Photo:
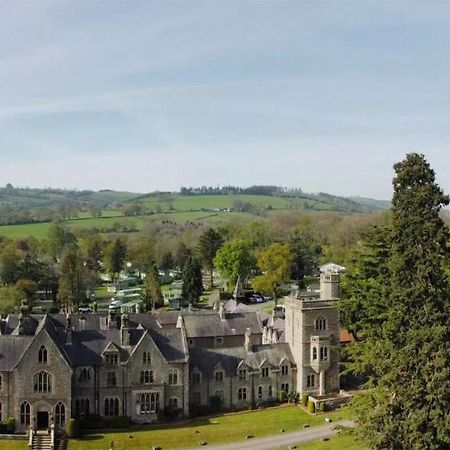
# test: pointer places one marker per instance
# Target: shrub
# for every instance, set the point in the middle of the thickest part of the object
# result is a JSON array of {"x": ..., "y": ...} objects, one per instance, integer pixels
[
  {"x": 305, "y": 399},
  {"x": 119, "y": 422},
  {"x": 283, "y": 396},
  {"x": 73, "y": 428},
  {"x": 225, "y": 295},
  {"x": 322, "y": 407},
  {"x": 10, "y": 425},
  {"x": 311, "y": 407},
  {"x": 93, "y": 423}
]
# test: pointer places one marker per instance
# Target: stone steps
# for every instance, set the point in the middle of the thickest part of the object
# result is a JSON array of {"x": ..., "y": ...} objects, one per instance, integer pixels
[{"x": 41, "y": 442}]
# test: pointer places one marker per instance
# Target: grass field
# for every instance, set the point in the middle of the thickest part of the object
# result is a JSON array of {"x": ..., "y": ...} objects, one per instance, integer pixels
[
  {"x": 40, "y": 230},
  {"x": 213, "y": 430},
  {"x": 13, "y": 445}
]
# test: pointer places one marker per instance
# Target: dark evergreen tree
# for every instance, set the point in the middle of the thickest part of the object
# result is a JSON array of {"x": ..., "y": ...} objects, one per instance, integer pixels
[
  {"x": 407, "y": 357},
  {"x": 209, "y": 242},
  {"x": 115, "y": 256},
  {"x": 192, "y": 280},
  {"x": 72, "y": 288},
  {"x": 153, "y": 295},
  {"x": 166, "y": 262}
]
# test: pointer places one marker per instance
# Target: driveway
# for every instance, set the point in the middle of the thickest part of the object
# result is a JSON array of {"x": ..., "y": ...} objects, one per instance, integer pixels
[{"x": 283, "y": 439}]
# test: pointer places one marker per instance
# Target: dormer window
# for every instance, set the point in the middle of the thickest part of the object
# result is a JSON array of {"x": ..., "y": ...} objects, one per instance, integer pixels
[
  {"x": 242, "y": 374},
  {"x": 321, "y": 323},
  {"x": 284, "y": 369},
  {"x": 219, "y": 376},
  {"x": 173, "y": 376},
  {"x": 111, "y": 359},
  {"x": 42, "y": 355},
  {"x": 265, "y": 372}
]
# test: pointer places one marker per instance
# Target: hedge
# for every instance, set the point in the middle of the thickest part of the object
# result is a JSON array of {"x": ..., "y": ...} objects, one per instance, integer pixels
[
  {"x": 311, "y": 407},
  {"x": 73, "y": 428},
  {"x": 305, "y": 399}
]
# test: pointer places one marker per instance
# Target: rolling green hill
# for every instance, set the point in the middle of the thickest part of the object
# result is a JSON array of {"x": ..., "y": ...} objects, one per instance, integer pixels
[{"x": 28, "y": 212}]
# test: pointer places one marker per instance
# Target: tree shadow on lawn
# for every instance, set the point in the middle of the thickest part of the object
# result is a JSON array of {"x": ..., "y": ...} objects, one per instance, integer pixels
[{"x": 190, "y": 423}]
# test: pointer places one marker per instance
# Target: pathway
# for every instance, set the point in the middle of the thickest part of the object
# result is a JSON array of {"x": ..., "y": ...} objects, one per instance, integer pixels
[{"x": 283, "y": 439}]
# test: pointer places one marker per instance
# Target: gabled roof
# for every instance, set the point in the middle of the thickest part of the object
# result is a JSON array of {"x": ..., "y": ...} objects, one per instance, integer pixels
[{"x": 206, "y": 360}]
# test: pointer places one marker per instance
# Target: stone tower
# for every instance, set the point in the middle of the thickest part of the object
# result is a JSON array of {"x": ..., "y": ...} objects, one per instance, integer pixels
[{"x": 312, "y": 331}]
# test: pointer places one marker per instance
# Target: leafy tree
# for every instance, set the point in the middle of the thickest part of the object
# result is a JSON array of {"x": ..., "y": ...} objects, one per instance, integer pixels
[
  {"x": 407, "y": 358},
  {"x": 28, "y": 289},
  {"x": 234, "y": 259},
  {"x": 10, "y": 298},
  {"x": 93, "y": 250},
  {"x": 115, "y": 256},
  {"x": 9, "y": 265},
  {"x": 209, "y": 242},
  {"x": 192, "y": 280},
  {"x": 142, "y": 253},
  {"x": 275, "y": 265},
  {"x": 153, "y": 295},
  {"x": 72, "y": 288},
  {"x": 58, "y": 238}
]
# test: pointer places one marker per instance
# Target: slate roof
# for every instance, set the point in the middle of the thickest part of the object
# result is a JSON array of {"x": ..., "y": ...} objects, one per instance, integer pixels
[
  {"x": 89, "y": 338},
  {"x": 208, "y": 360},
  {"x": 211, "y": 324}
]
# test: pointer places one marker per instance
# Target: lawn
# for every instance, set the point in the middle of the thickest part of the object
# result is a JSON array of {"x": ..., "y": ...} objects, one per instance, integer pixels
[
  {"x": 13, "y": 445},
  {"x": 213, "y": 430}
]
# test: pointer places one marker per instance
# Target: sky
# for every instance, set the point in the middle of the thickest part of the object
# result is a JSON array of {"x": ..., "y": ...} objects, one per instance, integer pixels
[{"x": 147, "y": 95}]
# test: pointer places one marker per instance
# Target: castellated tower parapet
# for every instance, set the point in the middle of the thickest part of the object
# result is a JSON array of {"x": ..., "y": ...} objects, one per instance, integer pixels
[{"x": 312, "y": 331}]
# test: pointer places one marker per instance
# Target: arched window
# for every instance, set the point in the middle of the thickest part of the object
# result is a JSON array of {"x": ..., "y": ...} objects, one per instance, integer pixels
[
  {"x": 111, "y": 406},
  {"x": 270, "y": 391},
  {"x": 260, "y": 391},
  {"x": 146, "y": 377},
  {"x": 42, "y": 355},
  {"x": 82, "y": 407},
  {"x": 60, "y": 415},
  {"x": 25, "y": 413},
  {"x": 321, "y": 323},
  {"x": 314, "y": 353},
  {"x": 42, "y": 382},
  {"x": 146, "y": 358}
]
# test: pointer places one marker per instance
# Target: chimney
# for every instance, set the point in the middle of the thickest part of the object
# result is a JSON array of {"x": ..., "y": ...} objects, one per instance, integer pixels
[
  {"x": 222, "y": 312},
  {"x": 69, "y": 329},
  {"x": 124, "y": 331},
  {"x": 23, "y": 316},
  {"x": 247, "y": 340}
]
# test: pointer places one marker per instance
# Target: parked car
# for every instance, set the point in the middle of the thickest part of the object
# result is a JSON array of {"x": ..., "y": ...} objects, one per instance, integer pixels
[
  {"x": 115, "y": 304},
  {"x": 85, "y": 309}
]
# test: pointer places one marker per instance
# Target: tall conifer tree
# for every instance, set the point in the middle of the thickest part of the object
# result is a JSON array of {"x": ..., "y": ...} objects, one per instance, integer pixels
[{"x": 407, "y": 356}]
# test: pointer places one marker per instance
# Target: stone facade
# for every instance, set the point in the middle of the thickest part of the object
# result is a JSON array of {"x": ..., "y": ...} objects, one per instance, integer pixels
[
  {"x": 53, "y": 367},
  {"x": 312, "y": 332}
]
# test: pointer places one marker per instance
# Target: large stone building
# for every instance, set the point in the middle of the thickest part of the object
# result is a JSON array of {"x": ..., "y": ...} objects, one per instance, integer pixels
[{"x": 53, "y": 367}]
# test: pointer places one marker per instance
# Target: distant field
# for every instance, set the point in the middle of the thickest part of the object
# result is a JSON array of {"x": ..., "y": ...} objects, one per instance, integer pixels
[
  {"x": 196, "y": 202},
  {"x": 40, "y": 230}
]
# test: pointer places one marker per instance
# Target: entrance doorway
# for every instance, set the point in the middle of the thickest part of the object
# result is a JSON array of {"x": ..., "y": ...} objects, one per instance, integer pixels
[{"x": 42, "y": 419}]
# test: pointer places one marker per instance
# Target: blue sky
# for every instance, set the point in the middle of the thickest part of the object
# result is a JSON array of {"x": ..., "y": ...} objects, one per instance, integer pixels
[{"x": 146, "y": 95}]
